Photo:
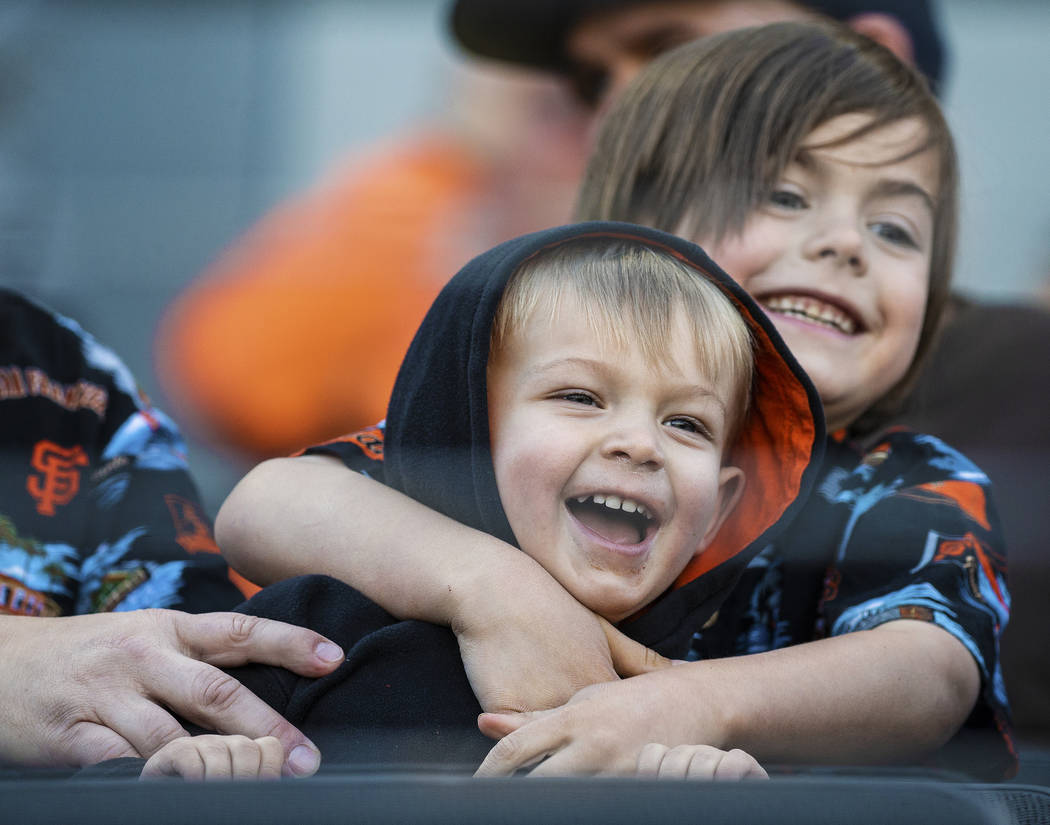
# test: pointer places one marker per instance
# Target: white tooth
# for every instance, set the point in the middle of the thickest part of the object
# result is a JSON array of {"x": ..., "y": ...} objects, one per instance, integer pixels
[
  {"x": 612, "y": 502},
  {"x": 582, "y": 499},
  {"x": 644, "y": 511},
  {"x": 599, "y": 499},
  {"x": 628, "y": 506}
]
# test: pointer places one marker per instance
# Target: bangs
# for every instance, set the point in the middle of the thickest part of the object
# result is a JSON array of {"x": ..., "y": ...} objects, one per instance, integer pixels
[{"x": 632, "y": 295}]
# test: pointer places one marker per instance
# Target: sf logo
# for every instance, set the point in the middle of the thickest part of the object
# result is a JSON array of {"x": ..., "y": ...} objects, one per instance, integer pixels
[{"x": 57, "y": 478}]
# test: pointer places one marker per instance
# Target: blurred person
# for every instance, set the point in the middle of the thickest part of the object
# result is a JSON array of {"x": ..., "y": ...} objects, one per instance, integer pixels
[
  {"x": 295, "y": 334},
  {"x": 100, "y": 519}
]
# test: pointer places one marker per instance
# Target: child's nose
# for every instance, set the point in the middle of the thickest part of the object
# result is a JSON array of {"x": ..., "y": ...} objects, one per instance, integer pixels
[
  {"x": 636, "y": 443},
  {"x": 839, "y": 240}
]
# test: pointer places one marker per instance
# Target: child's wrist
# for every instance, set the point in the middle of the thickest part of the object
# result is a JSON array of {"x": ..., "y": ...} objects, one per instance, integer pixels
[{"x": 488, "y": 588}]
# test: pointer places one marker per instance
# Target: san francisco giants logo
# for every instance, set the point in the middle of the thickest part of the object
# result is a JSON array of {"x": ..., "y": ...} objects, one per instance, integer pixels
[
  {"x": 191, "y": 531},
  {"x": 57, "y": 479}
]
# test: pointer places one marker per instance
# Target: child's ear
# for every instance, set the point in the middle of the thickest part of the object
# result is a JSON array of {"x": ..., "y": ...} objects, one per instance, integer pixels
[
  {"x": 888, "y": 31},
  {"x": 731, "y": 481}
]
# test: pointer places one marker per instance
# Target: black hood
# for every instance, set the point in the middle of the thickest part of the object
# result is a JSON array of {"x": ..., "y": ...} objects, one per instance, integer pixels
[{"x": 437, "y": 436}]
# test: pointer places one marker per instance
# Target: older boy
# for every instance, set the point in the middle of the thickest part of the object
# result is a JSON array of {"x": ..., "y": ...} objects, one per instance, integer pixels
[{"x": 599, "y": 45}]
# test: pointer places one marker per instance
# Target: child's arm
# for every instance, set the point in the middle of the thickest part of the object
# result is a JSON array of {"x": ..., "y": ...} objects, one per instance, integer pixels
[
  {"x": 697, "y": 762},
  {"x": 311, "y": 514},
  {"x": 213, "y": 756},
  {"x": 893, "y": 693}
]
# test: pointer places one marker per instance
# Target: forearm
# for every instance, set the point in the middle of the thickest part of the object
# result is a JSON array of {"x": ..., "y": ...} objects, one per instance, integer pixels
[
  {"x": 292, "y": 516},
  {"x": 896, "y": 692},
  {"x": 886, "y": 695}
]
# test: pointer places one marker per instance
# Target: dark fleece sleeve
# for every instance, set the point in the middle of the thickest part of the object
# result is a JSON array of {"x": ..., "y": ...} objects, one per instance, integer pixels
[{"x": 401, "y": 696}]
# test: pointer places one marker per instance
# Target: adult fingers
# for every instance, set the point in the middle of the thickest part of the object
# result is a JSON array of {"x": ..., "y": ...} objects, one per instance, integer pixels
[
  {"x": 143, "y": 725},
  {"x": 631, "y": 658},
  {"x": 86, "y": 743},
  {"x": 231, "y": 639}
]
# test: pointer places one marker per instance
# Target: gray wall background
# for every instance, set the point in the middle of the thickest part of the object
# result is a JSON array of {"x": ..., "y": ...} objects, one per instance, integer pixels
[{"x": 140, "y": 138}]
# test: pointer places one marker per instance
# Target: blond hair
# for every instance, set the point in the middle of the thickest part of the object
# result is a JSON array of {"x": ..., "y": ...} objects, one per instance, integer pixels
[
  {"x": 631, "y": 294},
  {"x": 701, "y": 137}
]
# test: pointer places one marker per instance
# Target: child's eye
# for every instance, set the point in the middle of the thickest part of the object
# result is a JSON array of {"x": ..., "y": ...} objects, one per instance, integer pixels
[
  {"x": 689, "y": 425},
  {"x": 787, "y": 199},
  {"x": 895, "y": 234},
  {"x": 578, "y": 397}
]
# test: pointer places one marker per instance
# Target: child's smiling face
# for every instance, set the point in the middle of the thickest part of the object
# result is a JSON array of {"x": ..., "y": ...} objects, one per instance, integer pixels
[
  {"x": 609, "y": 466},
  {"x": 840, "y": 258}
]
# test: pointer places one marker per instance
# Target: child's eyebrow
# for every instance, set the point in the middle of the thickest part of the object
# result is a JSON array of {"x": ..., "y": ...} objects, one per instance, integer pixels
[
  {"x": 687, "y": 390},
  {"x": 886, "y": 188},
  {"x": 904, "y": 188},
  {"x": 569, "y": 361}
]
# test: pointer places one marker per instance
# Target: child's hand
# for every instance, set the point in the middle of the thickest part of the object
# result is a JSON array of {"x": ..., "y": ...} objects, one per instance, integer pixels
[
  {"x": 520, "y": 659},
  {"x": 697, "y": 762},
  {"x": 602, "y": 730},
  {"x": 214, "y": 756}
]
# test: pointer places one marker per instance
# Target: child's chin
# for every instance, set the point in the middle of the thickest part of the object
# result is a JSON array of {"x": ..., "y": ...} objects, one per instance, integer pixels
[{"x": 614, "y": 604}]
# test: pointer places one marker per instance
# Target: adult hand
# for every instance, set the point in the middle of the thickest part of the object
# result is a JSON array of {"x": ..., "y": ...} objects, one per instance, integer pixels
[
  {"x": 81, "y": 689},
  {"x": 602, "y": 730},
  {"x": 518, "y": 658}
]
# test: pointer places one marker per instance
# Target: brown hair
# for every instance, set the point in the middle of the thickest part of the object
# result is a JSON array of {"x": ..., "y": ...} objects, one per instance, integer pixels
[
  {"x": 631, "y": 292},
  {"x": 714, "y": 123}
]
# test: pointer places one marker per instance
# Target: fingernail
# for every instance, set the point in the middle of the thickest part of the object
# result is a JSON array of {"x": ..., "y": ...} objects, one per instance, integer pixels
[
  {"x": 304, "y": 760},
  {"x": 328, "y": 652}
]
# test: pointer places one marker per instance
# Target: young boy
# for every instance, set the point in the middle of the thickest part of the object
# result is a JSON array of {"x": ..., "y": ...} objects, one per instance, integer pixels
[{"x": 595, "y": 395}]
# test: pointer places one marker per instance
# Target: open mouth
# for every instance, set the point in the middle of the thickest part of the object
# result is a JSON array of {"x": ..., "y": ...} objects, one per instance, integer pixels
[
  {"x": 616, "y": 519},
  {"x": 815, "y": 311}
]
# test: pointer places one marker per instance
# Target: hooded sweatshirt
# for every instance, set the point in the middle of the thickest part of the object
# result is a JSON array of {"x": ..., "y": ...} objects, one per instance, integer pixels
[{"x": 402, "y": 694}]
